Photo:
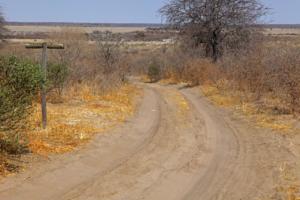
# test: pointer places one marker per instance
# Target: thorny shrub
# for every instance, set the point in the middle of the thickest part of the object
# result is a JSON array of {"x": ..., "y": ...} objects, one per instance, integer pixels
[
  {"x": 79, "y": 63},
  {"x": 268, "y": 70},
  {"x": 19, "y": 85},
  {"x": 154, "y": 72},
  {"x": 57, "y": 75}
]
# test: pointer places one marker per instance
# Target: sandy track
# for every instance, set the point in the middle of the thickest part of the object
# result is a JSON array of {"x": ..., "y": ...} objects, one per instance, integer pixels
[{"x": 166, "y": 152}]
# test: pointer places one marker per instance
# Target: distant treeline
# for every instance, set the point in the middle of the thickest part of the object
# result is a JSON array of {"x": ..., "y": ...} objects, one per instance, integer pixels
[
  {"x": 281, "y": 26},
  {"x": 85, "y": 24},
  {"x": 149, "y": 25}
]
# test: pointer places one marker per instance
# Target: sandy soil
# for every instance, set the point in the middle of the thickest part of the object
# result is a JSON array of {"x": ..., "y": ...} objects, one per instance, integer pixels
[{"x": 177, "y": 147}]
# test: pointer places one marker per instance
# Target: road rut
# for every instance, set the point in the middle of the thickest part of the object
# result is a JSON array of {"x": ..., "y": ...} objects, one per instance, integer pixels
[{"x": 177, "y": 147}]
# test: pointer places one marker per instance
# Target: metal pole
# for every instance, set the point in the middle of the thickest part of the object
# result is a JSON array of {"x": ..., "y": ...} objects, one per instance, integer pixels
[{"x": 43, "y": 91}]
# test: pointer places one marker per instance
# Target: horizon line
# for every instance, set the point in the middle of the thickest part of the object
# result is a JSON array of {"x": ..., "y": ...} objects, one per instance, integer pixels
[{"x": 113, "y": 23}]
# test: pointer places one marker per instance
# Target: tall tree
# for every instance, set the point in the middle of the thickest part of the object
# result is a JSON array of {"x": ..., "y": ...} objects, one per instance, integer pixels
[{"x": 214, "y": 22}]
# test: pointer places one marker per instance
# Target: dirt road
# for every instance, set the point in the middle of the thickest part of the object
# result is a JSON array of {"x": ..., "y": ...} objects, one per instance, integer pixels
[{"x": 177, "y": 147}]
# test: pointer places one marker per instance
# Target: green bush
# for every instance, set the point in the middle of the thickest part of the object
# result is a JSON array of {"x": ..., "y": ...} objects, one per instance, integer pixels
[
  {"x": 19, "y": 84},
  {"x": 154, "y": 72},
  {"x": 56, "y": 76}
]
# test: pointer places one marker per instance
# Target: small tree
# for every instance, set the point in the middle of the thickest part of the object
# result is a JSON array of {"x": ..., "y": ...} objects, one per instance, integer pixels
[
  {"x": 110, "y": 54},
  {"x": 109, "y": 51},
  {"x": 154, "y": 72},
  {"x": 56, "y": 77},
  {"x": 215, "y": 23},
  {"x": 73, "y": 54}
]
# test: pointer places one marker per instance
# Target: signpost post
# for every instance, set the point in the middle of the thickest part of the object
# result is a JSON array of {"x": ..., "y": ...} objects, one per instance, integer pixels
[{"x": 44, "y": 46}]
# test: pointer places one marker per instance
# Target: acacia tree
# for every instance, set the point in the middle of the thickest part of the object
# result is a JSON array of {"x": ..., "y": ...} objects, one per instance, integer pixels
[
  {"x": 215, "y": 23},
  {"x": 109, "y": 51},
  {"x": 111, "y": 55}
]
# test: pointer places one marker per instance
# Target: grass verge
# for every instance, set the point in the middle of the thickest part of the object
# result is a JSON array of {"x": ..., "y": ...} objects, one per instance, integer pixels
[
  {"x": 80, "y": 115},
  {"x": 263, "y": 114}
]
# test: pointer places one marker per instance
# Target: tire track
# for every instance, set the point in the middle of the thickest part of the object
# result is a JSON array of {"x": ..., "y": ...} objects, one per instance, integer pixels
[
  {"x": 146, "y": 174},
  {"x": 103, "y": 154},
  {"x": 234, "y": 173},
  {"x": 165, "y": 153}
]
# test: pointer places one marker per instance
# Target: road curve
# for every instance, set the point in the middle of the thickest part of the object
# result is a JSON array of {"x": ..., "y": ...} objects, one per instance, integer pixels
[{"x": 178, "y": 147}]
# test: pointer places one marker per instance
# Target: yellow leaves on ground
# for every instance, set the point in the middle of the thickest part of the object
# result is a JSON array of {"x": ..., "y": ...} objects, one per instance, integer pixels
[{"x": 83, "y": 114}]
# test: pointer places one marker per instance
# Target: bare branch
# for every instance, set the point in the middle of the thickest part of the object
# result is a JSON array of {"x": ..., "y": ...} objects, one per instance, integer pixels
[{"x": 212, "y": 22}]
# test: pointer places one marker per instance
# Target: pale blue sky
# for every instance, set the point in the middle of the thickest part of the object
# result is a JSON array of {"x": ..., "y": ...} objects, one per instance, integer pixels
[{"x": 118, "y": 11}]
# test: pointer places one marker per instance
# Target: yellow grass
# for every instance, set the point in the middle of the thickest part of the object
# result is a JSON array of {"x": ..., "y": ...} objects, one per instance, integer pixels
[
  {"x": 182, "y": 103},
  {"x": 262, "y": 119},
  {"x": 290, "y": 192},
  {"x": 172, "y": 79},
  {"x": 145, "y": 79},
  {"x": 178, "y": 100},
  {"x": 83, "y": 114},
  {"x": 276, "y": 122},
  {"x": 217, "y": 97}
]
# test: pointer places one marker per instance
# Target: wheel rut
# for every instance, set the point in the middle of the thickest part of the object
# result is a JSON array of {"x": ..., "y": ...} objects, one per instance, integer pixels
[{"x": 177, "y": 147}]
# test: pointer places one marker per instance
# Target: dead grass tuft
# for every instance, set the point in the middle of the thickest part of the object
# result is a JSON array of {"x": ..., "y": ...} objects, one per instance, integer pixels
[
  {"x": 221, "y": 97},
  {"x": 7, "y": 167},
  {"x": 83, "y": 114}
]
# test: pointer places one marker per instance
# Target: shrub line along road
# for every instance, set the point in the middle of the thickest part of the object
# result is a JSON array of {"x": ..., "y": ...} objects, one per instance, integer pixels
[{"x": 165, "y": 152}]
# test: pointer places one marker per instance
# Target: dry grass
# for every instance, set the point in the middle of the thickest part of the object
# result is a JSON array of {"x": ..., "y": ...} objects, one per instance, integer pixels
[
  {"x": 282, "y": 31},
  {"x": 83, "y": 114},
  {"x": 145, "y": 79},
  {"x": 80, "y": 114},
  {"x": 289, "y": 186},
  {"x": 262, "y": 117},
  {"x": 224, "y": 98},
  {"x": 7, "y": 168},
  {"x": 172, "y": 79},
  {"x": 182, "y": 104},
  {"x": 288, "y": 193},
  {"x": 219, "y": 97}
]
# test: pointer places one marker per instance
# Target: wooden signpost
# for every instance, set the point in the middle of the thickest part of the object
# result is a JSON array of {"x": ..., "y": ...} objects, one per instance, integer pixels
[{"x": 44, "y": 46}]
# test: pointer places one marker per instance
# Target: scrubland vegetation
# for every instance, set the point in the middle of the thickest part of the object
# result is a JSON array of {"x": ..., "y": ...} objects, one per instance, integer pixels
[
  {"x": 260, "y": 83},
  {"x": 263, "y": 80},
  {"x": 232, "y": 61},
  {"x": 85, "y": 83},
  {"x": 220, "y": 48}
]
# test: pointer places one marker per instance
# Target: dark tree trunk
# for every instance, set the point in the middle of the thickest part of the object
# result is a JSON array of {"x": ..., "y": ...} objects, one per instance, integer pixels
[
  {"x": 215, "y": 46},
  {"x": 212, "y": 49}
]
